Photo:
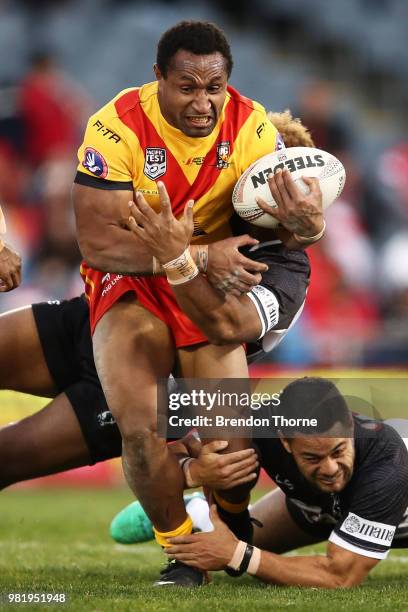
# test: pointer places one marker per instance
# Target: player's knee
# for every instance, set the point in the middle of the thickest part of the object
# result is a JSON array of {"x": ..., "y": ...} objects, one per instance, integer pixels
[
  {"x": 138, "y": 435},
  {"x": 223, "y": 332},
  {"x": 140, "y": 443}
]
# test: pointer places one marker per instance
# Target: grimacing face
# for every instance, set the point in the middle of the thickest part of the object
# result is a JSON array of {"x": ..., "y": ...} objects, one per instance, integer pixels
[
  {"x": 327, "y": 463},
  {"x": 192, "y": 94}
]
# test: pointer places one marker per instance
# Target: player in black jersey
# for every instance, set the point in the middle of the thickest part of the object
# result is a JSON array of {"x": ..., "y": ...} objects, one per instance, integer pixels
[{"x": 344, "y": 480}]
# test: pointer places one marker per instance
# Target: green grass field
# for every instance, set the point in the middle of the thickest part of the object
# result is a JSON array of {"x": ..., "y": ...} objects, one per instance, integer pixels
[{"x": 57, "y": 541}]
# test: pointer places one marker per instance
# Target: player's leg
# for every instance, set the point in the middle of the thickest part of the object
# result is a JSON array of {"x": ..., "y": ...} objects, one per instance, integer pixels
[
  {"x": 132, "y": 349},
  {"x": 44, "y": 443},
  {"x": 279, "y": 532},
  {"x": 22, "y": 363},
  {"x": 223, "y": 362},
  {"x": 73, "y": 430}
]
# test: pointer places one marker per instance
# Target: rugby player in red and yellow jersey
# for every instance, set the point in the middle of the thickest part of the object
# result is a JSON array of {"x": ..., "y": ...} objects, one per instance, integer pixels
[{"x": 197, "y": 136}]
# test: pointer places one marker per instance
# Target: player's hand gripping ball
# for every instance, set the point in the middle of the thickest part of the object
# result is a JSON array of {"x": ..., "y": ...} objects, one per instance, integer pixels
[{"x": 300, "y": 161}]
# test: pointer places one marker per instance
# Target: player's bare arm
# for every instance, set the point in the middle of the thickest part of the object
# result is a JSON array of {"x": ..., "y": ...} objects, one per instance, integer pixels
[
  {"x": 338, "y": 568},
  {"x": 103, "y": 236}
]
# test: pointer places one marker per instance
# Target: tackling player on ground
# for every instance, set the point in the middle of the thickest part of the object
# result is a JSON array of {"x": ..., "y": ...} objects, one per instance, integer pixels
[{"x": 345, "y": 481}]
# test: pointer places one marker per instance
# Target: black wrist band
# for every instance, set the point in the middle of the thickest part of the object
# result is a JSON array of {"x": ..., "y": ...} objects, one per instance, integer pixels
[
  {"x": 244, "y": 563},
  {"x": 246, "y": 559},
  {"x": 183, "y": 460}
]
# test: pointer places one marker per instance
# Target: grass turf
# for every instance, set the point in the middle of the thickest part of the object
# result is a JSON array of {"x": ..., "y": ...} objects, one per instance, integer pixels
[{"x": 57, "y": 541}]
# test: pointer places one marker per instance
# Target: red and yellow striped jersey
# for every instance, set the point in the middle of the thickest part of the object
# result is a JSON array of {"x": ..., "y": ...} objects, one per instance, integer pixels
[{"x": 129, "y": 145}]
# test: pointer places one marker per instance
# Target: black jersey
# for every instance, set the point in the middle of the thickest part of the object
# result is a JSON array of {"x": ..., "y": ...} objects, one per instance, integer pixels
[
  {"x": 365, "y": 515},
  {"x": 280, "y": 297}
]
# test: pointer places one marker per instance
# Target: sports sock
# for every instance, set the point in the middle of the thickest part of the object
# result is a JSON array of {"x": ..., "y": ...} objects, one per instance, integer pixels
[
  {"x": 199, "y": 511},
  {"x": 232, "y": 507},
  {"x": 236, "y": 517},
  {"x": 184, "y": 529}
]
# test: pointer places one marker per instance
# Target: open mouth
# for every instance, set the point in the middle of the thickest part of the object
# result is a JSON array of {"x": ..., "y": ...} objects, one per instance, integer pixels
[
  {"x": 331, "y": 481},
  {"x": 200, "y": 121}
]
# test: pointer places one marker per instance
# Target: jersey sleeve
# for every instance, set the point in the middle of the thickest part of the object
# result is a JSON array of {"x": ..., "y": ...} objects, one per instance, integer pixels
[
  {"x": 378, "y": 505},
  {"x": 261, "y": 138},
  {"x": 105, "y": 157}
]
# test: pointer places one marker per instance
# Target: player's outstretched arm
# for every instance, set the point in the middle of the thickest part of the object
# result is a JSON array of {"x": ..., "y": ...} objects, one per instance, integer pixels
[{"x": 215, "y": 550}]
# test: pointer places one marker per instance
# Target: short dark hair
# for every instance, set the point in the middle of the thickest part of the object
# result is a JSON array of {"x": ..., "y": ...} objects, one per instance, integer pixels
[
  {"x": 198, "y": 37},
  {"x": 314, "y": 398}
]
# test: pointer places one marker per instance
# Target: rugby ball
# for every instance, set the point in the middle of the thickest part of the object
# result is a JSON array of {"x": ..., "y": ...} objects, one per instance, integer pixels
[{"x": 301, "y": 161}]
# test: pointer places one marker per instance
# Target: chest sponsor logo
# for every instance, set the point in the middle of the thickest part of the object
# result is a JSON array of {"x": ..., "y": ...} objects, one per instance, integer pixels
[
  {"x": 155, "y": 162},
  {"x": 194, "y": 161},
  {"x": 95, "y": 162},
  {"x": 369, "y": 531},
  {"x": 223, "y": 154}
]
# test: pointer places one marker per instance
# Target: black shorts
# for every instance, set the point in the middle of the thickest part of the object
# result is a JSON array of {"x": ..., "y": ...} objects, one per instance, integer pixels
[{"x": 65, "y": 336}]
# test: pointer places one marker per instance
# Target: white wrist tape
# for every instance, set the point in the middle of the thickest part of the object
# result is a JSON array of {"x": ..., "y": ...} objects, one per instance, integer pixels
[
  {"x": 185, "y": 466},
  {"x": 157, "y": 267},
  {"x": 238, "y": 555},
  {"x": 3, "y": 228},
  {"x": 311, "y": 239},
  {"x": 181, "y": 270},
  {"x": 254, "y": 562}
]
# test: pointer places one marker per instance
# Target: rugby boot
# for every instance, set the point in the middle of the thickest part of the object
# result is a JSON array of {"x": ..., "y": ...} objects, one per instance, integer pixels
[{"x": 177, "y": 574}]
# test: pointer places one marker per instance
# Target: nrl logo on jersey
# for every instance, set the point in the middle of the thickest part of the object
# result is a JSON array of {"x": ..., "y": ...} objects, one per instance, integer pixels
[{"x": 155, "y": 162}]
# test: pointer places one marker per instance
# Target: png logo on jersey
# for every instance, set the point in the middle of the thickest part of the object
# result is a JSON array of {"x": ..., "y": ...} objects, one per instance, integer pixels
[
  {"x": 155, "y": 162},
  {"x": 95, "y": 162},
  {"x": 223, "y": 154}
]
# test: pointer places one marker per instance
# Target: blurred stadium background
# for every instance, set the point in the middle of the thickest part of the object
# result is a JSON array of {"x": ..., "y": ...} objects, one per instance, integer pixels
[{"x": 340, "y": 66}]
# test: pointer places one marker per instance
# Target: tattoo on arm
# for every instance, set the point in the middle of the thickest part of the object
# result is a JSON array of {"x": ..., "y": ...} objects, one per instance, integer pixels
[{"x": 202, "y": 258}]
